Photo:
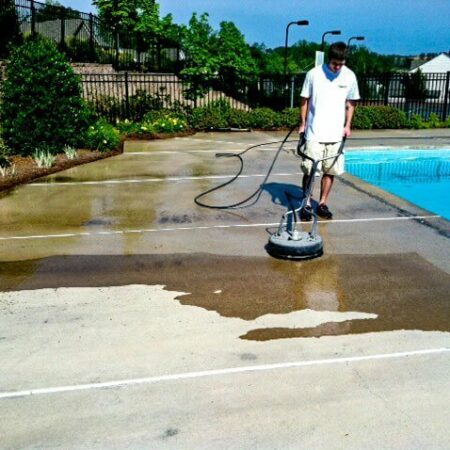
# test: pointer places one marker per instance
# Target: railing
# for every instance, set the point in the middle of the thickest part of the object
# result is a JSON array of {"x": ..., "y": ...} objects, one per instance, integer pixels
[
  {"x": 84, "y": 39},
  {"x": 114, "y": 94},
  {"x": 389, "y": 90},
  {"x": 129, "y": 95}
]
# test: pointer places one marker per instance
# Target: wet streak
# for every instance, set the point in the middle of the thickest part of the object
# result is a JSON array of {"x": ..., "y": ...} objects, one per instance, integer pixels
[{"x": 404, "y": 291}]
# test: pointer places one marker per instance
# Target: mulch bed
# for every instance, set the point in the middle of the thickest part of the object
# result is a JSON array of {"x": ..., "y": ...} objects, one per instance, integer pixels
[{"x": 27, "y": 171}]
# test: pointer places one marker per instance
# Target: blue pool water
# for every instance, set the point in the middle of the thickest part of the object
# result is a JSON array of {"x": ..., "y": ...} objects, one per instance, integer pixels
[{"x": 419, "y": 176}]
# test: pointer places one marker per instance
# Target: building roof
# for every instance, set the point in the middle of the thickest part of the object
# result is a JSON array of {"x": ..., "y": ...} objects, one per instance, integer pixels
[{"x": 439, "y": 64}]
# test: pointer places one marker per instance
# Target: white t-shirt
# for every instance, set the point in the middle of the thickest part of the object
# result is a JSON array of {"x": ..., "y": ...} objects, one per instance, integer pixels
[{"x": 327, "y": 93}]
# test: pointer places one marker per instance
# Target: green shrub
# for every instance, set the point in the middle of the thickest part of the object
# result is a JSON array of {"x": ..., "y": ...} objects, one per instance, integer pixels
[
  {"x": 378, "y": 117},
  {"x": 102, "y": 136},
  {"x": 385, "y": 117},
  {"x": 41, "y": 103},
  {"x": 126, "y": 127},
  {"x": 215, "y": 115},
  {"x": 434, "y": 121},
  {"x": 170, "y": 125},
  {"x": 238, "y": 118},
  {"x": 417, "y": 122},
  {"x": 362, "y": 118},
  {"x": 263, "y": 118},
  {"x": 290, "y": 117}
]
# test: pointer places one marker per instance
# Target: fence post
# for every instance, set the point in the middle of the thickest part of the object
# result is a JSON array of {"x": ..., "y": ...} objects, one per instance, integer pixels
[
  {"x": 127, "y": 98},
  {"x": 292, "y": 91},
  {"x": 386, "y": 92},
  {"x": 33, "y": 18},
  {"x": 446, "y": 97},
  {"x": 91, "y": 37}
]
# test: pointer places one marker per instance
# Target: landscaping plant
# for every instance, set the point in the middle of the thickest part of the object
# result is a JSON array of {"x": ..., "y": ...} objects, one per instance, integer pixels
[
  {"x": 43, "y": 158},
  {"x": 41, "y": 105},
  {"x": 102, "y": 136}
]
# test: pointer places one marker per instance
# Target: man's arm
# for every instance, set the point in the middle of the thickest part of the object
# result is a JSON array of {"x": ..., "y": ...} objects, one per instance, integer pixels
[
  {"x": 350, "y": 109},
  {"x": 304, "y": 103}
]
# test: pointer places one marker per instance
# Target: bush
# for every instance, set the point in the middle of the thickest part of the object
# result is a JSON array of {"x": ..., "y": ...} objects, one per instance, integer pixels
[
  {"x": 215, "y": 115},
  {"x": 434, "y": 121},
  {"x": 41, "y": 104},
  {"x": 378, "y": 117},
  {"x": 362, "y": 118},
  {"x": 385, "y": 117},
  {"x": 290, "y": 117},
  {"x": 127, "y": 127},
  {"x": 264, "y": 118},
  {"x": 238, "y": 118},
  {"x": 102, "y": 136}
]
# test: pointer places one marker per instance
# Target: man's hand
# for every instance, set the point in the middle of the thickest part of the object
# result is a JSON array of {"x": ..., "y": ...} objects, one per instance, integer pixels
[
  {"x": 301, "y": 129},
  {"x": 347, "y": 132}
]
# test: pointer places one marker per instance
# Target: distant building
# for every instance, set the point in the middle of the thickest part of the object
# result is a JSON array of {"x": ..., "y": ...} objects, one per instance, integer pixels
[
  {"x": 439, "y": 64},
  {"x": 435, "y": 83}
]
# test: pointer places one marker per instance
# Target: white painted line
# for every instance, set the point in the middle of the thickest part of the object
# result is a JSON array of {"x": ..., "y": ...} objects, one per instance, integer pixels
[
  {"x": 219, "y": 372},
  {"x": 209, "y": 227},
  {"x": 156, "y": 180}
]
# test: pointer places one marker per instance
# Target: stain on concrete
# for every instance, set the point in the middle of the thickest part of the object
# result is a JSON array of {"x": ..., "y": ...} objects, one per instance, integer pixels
[
  {"x": 170, "y": 432},
  {"x": 404, "y": 290},
  {"x": 248, "y": 357}
]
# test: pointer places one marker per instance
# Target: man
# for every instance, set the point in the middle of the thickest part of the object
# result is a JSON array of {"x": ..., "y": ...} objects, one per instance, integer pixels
[{"x": 327, "y": 104}]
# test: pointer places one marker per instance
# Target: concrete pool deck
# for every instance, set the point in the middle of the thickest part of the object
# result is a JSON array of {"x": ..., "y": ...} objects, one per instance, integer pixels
[{"x": 131, "y": 318}]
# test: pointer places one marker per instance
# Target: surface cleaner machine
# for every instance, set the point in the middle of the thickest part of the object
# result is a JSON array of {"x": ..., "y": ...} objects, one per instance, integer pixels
[{"x": 292, "y": 240}]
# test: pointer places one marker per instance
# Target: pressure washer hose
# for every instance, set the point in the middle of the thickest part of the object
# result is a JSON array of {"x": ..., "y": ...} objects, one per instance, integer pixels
[{"x": 255, "y": 194}]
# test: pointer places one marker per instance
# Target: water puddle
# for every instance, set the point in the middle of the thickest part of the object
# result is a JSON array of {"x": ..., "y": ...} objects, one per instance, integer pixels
[{"x": 389, "y": 292}]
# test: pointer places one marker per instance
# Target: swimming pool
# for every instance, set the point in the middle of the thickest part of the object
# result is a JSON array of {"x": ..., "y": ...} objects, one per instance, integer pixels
[{"x": 419, "y": 176}]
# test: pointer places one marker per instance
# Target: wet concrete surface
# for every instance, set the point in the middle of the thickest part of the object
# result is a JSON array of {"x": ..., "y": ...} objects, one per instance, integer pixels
[
  {"x": 116, "y": 298},
  {"x": 404, "y": 291}
]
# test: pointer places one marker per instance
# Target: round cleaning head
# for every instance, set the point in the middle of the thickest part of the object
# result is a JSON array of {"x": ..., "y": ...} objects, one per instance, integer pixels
[{"x": 297, "y": 245}]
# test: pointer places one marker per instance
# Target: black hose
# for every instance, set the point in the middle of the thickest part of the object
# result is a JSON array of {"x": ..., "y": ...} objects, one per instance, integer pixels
[{"x": 258, "y": 192}]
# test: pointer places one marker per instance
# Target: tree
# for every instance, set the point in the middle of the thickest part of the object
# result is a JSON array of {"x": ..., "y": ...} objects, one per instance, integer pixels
[
  {"x": 236, "y": 65},
  {"x": 202, "y": 63},
  {"x": 53, "y": 10},
  {"x": 41, "y": 104},
  {"x": 415, "y": 86},
  {"x": 10, "y": 35}
]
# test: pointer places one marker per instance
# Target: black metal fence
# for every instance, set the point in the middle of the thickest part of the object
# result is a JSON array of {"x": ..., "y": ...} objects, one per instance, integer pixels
[
  {"x": 121, "y": 95},
  {"x": 84, "y": 38},
  {"x": 127, "y": 95}
]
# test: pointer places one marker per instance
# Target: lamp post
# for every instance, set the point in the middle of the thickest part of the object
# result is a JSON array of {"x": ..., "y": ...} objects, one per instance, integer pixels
[
  {"x": 355, "y": 38},
  {"x": 334, "y": 32},
  {"x": 299, "y": 23}
]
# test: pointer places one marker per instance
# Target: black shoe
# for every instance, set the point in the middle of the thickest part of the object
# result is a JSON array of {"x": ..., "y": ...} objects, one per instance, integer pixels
[
  {"x": 306, "y": 214},
  {"x": 324, "y": 212}
]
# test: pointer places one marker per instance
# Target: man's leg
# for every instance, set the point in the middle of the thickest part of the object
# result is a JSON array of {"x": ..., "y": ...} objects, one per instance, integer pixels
[{"x": 326, "y": 185}]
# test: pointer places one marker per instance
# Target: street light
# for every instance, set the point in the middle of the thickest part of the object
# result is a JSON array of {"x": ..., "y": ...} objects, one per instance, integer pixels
[
  {"x": 355, "y": 38},
  {"x": 334, "y": 32},
  {"x": 299, "y": 23}
]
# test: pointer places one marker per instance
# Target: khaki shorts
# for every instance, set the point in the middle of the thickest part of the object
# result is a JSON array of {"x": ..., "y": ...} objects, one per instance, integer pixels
[{"x": 317, "y": 150}]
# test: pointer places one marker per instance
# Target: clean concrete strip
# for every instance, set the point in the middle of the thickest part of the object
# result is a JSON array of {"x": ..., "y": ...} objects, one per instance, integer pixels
[
  {"x": 153, "y": 180},
  {"x": 219, "y": 372},
  {"x": 210, "y": 227}
]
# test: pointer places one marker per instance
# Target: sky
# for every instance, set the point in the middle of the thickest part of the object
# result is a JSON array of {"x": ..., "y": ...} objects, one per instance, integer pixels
[{"x": 403, "y": 27}]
